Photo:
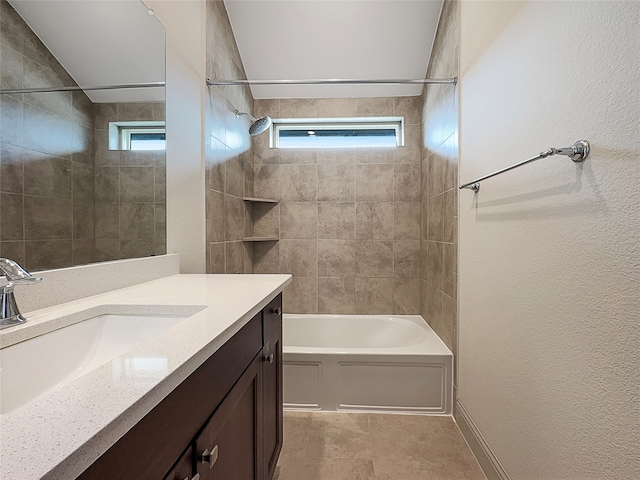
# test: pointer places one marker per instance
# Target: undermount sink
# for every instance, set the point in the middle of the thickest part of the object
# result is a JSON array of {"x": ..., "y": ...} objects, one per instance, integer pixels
[{"x": 32, "y": 367}]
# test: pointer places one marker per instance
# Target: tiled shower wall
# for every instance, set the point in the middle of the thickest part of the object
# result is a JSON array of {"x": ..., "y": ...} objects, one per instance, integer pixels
[
  {"x": 348, "y": 220},
  {"x": 130, "y": 188},
  {"x": 229, "y": 161},
  {"x": 439, "y": 192},
  {"x": 46, "y": 161}
]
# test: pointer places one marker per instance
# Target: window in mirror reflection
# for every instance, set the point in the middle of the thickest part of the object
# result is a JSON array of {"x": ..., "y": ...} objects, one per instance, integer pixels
[{"x": 137, "y": 135}]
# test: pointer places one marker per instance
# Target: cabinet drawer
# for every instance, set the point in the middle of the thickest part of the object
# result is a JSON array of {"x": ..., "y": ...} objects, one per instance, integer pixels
[{"x": 272, "y": 317}]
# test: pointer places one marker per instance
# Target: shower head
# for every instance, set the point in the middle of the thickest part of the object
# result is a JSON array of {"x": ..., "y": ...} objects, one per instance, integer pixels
[{"x": 258, "y": 126}]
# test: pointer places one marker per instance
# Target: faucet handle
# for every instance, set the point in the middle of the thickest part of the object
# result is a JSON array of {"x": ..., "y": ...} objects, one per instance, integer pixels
[{"x": 26, "y": 281}]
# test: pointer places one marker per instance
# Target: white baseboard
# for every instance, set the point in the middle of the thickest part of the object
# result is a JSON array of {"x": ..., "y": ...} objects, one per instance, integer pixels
[{"x": 488, "y": 461}]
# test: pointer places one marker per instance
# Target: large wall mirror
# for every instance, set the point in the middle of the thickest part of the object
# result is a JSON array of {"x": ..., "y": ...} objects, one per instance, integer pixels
[{"x": 82, "y": 173}]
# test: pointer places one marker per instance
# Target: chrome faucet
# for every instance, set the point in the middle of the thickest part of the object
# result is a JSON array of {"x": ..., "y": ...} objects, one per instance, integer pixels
[{"x": 16, "y": 275}]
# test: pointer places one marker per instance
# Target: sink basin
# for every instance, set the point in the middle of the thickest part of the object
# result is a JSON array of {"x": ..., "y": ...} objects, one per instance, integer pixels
[{"x": 38, "y": 365}]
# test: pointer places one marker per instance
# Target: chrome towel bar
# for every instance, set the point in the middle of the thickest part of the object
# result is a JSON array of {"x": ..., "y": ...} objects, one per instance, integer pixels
[{"x": 577, "y": 152}]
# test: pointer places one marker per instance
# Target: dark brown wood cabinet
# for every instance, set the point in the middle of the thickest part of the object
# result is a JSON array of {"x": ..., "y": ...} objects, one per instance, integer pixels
[
  {"x": 224, "y": 421},
  {"x": 272, "y": 401}
]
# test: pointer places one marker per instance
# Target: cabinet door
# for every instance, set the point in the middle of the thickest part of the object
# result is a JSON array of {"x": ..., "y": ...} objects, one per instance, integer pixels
[
  {"x": 183, "y": 469},
  {"x": 272, "y": 401},
  {"x": 229, "y": 446}
]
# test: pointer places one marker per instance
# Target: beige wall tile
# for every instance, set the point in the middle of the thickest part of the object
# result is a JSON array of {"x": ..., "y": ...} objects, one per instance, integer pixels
[
  {"x": 411, "y": 151},
  {"x": 448, "y": 321},
  {"x": 299, "y": 220},
  {"x": 265, "y": 219},
  {"x": 47, "y": 219},
  {"x": 234, "y": 183},
  {"x": 374, "y": 221},
  {"x": 374, "y": 183},
  {"x": 336, "y": 295},
  {"x": 216, "y": 263},
  {"x": 450, "y": 212},
  {"x": 336, "y": 107},
  {"x": 301, "y": 296},
  {"x": 266, "y": 257},
  {"x": 216, "y": 216},
  {"x": 299, "y": 183},
  {"x": 336, "y": 258},
  {"x": 374, "y": 258},
  {"x": 406, "y": 220},
  {"x": 406, "y": 182},
  {"x": 374, "y": 296},
  {"x": 332, "y": 156},
  {"x": 136, "y": 221},
  {"x": 136, "y": 247},
  {"x": 107, "y": 221},
  {"x": 409, "y": 108},
  {"x": 299, "y": 257},
  {"x": 434, "y": 264},
  {"x": 435, "y": 218},
  {"x": 336, "y": 220},
  {"x": 434, "y": 308},
  {"x": 12, "y": 217},
  {"x": 267, "y": 181},
  {"x": 137, "y": 184},
  {"x": 234, "y": 257},
  {"x": 406, "y": 296},
  {"x": 47, "y": 254},
  {"x": 374, "y": 155},
  {"x": 406, "y": 258},
  {"x": 234, "y": 215},
  {"x": 449, "y": 267},
  {"x": 292, "y": 156},
  {"x": 374, "y": 107},
  {"x": 299, "y": 107},
  {"x": 336, "y": 183}
]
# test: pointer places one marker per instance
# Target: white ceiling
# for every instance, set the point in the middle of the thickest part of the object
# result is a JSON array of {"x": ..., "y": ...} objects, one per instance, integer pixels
[
  {"x": 102, "y": 42},
  {"x": 324, "y": 39}
]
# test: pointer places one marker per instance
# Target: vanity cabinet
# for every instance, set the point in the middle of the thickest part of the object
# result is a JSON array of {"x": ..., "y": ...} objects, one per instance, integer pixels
[{"x": 224, "y": 421}]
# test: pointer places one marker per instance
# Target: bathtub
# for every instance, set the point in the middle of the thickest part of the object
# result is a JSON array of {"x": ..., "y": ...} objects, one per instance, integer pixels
[{"x": 373, "y": 363}]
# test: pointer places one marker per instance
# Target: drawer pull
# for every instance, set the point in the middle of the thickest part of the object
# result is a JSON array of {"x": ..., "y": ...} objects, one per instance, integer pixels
[
  {"x": 277, "y": 311},
  {"x": 269, "y": 358},
  {"x": 210, "y": 457}
]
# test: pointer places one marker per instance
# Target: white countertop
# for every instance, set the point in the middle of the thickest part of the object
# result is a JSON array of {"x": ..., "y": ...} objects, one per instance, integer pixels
[{"x": 61, "y": 433}]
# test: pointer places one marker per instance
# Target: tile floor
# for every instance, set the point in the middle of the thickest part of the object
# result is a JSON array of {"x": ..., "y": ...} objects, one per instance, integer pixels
[{"x": 361, "y": 446}]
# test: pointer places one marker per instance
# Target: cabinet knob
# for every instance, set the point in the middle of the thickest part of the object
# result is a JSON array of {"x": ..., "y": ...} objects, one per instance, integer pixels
[
  {"x": 210, "y": 456},
  {"x": 269, "y": 358},
  {"x": 277, "y": 311}
]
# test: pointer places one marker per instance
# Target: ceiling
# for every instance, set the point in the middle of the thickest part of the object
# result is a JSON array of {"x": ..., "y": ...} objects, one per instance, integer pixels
[
  {"x": 102, "y": 42},
  {"x": 325, "y": 39}
]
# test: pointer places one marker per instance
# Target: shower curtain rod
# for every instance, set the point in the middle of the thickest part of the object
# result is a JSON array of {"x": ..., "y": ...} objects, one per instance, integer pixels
[
  {"x": 338, "y": 81},
  {"x": 78, "y": 88}
]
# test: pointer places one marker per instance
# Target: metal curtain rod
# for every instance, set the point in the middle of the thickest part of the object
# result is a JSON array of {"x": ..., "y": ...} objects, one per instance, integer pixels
[
  {"x": 337, "y": 81},
  {"x": 77, "y": 88},
  {"x": 577, "y": 152}
]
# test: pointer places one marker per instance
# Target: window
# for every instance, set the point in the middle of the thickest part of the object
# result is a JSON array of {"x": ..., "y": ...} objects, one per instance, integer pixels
[
  {"x": 137, "y": 136},
  {"x": 376, "y": 132}
]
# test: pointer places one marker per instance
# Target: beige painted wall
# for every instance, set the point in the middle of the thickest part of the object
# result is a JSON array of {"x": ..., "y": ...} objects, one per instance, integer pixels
[{"x": 549, "y": 253}]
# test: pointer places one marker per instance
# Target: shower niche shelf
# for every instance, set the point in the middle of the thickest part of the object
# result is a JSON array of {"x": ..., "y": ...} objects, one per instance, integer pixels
[
  {"x": 260, "y": 239},
  {"x": 259, "y": 207},
  {"x": 260, "y": 200}
]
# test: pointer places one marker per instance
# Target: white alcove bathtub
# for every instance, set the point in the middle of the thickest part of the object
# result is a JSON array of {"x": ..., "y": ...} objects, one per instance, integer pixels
[{"x": 373, "y": 363}]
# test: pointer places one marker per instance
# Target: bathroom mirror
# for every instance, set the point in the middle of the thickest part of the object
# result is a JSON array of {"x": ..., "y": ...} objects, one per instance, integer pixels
[{"x": 70, "y": 193}]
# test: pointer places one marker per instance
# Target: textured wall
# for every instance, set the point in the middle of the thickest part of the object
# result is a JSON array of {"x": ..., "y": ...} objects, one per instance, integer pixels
[
  {"x": 439, "y": 192},
  {"x": 46, "y": 161},
  {"x": 549, "y": 253},
  {"x": 348, "y": 220},
  {"x": 229, "y": 162},
  {"x": 130, "y": 188}
]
